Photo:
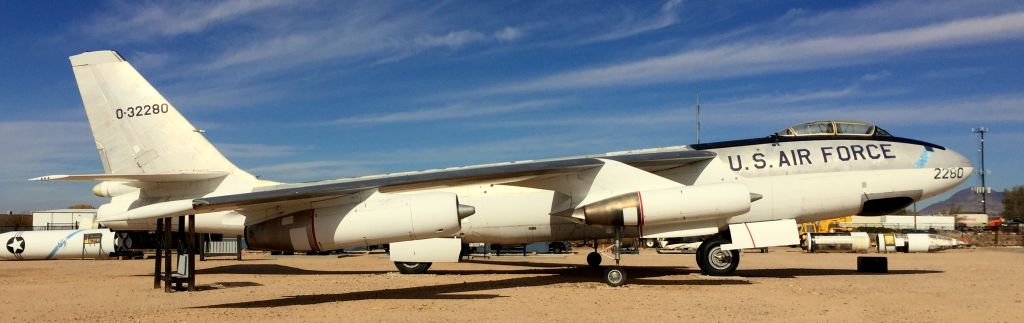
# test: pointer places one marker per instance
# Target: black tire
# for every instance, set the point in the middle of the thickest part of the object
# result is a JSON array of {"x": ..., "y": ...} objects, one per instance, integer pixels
[
  {"x": 594, "y": 260},
  {"x": 650, "y": 243},
  {"x": 615, "y": 276},
  {"x": 557, "y": 247},
  {"x": 713, "y": 261},
  {"x": 412, "y": 268}
]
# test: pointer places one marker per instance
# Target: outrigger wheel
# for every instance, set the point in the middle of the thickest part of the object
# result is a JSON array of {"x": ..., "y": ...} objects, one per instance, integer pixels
[
  {"x": 615, "y": 276},
  {"x": 594, "y": 259},
  {"x": 414, "y": 268},
  {"x": 713, "y": 261}
]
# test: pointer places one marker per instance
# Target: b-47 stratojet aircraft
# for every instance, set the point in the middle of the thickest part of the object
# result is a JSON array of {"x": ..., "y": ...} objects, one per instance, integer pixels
[{"x": 738, "y": 194}]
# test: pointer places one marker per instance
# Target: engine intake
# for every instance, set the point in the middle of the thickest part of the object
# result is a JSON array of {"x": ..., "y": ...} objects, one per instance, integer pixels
[{"x": 382, "y": 218}]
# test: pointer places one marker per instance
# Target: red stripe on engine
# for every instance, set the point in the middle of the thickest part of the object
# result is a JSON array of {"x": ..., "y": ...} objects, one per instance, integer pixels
[{"x": 751, "y": 235}]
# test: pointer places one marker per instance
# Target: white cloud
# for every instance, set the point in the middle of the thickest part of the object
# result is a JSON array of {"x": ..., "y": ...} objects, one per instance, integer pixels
[
  {"x": 772, "y": 56},
  {"x": 876, "y": 76},
  {"x": 456, "y": 111},
  {"x": 667, "y": 16},
  {"x": 36, "y": 148},
  {"x": 966, "y": 111},
  {"x": 150, "y": 21},
  {"x": 451, "y": 39},
  {"x": 237, "y": 150},
  {"x": 509, "y": 34}
]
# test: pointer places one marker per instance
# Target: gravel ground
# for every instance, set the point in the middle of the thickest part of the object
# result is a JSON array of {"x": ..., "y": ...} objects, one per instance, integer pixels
[{"x": 782, "y": 285}]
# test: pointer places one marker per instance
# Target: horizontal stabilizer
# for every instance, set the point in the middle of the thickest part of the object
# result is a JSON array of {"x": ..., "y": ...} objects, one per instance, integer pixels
[{"x": 167, "y": 177}]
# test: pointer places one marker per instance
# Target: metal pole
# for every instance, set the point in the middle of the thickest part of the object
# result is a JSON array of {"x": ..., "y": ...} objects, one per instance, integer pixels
[
  {"x": 191, "y": 252},
  {"x": 167, "y": 255},
  {"x": 698, "y": 116},
  {"x": 159, "y": 254},
  {"x": 202, "y": 246},
  {"x": 238, "y": 247},
  {"x": 180, "y": 244},
  {"x": 984, "y": 186}
]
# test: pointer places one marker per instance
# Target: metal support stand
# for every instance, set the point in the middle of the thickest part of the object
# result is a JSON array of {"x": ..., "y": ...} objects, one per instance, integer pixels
[
  {"x": 180, "y": 244},
  {"x": 618, "y": 244},
  {"x": 159, "y": 253},
  {"x": 238, "y": 248},
  {"x": 202, "y": 246},
  {"x": 191, "y": 252},
  {"x": 167, "y": 254}
]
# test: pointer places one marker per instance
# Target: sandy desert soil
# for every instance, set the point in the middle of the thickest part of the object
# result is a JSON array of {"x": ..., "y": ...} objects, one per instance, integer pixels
[{"x": 782, "y": 285}]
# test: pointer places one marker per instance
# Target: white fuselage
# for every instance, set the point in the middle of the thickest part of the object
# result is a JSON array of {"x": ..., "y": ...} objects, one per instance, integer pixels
[{"x": 802, "y": 180}]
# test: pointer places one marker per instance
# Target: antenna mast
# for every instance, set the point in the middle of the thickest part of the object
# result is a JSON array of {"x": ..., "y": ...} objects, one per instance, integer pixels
[
  {"x": 983, "y": 190},
  {"x": 698, "y": 116}
]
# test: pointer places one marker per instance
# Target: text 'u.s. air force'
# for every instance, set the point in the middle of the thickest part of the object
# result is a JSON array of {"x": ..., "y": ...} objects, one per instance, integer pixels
[{"x": 802, "y": 156}]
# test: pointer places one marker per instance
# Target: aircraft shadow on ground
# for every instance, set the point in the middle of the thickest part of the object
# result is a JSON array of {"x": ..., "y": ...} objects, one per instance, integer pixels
[
  {"x": 641, "y": 276},
  {"x": 805, "y": 272},
  {"x": 550, "y": 274}
]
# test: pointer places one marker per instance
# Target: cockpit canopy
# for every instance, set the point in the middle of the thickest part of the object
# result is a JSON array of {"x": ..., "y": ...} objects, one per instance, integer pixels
[{"x": 834, "y": 128}]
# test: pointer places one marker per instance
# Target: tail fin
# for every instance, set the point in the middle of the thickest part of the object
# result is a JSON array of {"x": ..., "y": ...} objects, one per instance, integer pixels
[{"x": 137, "y": 131}]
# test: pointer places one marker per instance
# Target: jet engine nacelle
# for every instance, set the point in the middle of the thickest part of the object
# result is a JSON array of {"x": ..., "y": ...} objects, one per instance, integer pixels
[
  {"x": 671, "y": 205},
  {"x": 382, "y": 218}
]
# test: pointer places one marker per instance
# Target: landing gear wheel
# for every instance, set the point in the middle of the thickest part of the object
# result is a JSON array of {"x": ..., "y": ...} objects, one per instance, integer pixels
[
  {"x": 615, "y": 276},
  {"x": 713, "y": 261},
  {"x": 594, "y": 260},
  {"x": 650, "y": 243},
  {"x": 412, "y": 268}
]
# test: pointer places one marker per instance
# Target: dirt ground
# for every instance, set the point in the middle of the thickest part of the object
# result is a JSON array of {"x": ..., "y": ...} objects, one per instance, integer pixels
[{"x": 782, "y": 285}]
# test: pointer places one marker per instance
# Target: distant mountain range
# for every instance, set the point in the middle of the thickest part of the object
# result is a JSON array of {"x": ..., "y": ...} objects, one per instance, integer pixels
[{"x": 968, "y": 201}]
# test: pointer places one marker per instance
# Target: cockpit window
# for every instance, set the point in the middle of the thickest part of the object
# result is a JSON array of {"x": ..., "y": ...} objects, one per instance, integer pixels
[
  {"x": 833, "y": 128},
  {"x": 847, "y": 128},
  {"x": 813, "y": 128}
]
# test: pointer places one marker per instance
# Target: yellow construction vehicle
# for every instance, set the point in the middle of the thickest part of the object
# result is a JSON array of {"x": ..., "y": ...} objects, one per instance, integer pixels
[{"x": 827, "y": 225}]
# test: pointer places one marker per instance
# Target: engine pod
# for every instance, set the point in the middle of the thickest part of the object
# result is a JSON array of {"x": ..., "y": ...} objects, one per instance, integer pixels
[
  {"x": 671, "y": 205},
  {"x": 381, "y": 218}
]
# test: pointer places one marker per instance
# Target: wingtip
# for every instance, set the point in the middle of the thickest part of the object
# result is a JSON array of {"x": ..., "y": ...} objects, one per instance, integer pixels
[{"x": 48, "y": 178}]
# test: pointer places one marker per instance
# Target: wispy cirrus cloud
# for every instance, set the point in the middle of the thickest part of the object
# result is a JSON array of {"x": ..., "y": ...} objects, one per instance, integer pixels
[
  {"x": 753, "y": 57},
  {"x": 632, "y": 24},
  {"x": 146, "y": 21},
  {"x": 454, "y": 111},
  {"x": 239, "y": 150}
]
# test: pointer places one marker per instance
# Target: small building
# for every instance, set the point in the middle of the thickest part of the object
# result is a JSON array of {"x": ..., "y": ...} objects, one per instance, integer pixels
[
  {"x": 65, "y": 219},
  {"x": 972, "y": 220}
]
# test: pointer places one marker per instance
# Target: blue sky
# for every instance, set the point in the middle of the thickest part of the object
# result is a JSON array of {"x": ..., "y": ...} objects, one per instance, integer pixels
[{"x": 307, "y": 90}]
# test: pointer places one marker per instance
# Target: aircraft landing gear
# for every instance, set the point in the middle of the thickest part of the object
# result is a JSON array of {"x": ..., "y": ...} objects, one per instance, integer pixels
[
  {"x": 594, "y": 260},
  {"x": 412, "y": 268},
  {"x": 713, "y": 261},
  {"x": 616, "y": 276}
]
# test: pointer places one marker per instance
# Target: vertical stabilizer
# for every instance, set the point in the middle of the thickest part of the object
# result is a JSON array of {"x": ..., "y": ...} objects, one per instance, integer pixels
[{"x": 136, "y": 129}]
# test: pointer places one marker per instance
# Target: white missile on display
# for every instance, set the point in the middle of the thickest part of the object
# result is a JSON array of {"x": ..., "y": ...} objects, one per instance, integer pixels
[
  {"x": 915, "y": 242},
  {"x": 836, "y": 242},
  {"x": 57, "y": 244}
]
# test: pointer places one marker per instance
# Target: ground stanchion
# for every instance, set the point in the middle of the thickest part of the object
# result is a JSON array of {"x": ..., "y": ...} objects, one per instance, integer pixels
[
  {"x": 167, "y": 255},
  {"x": 191, "y": 252},
  {"x": 159, "y": 254}
]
